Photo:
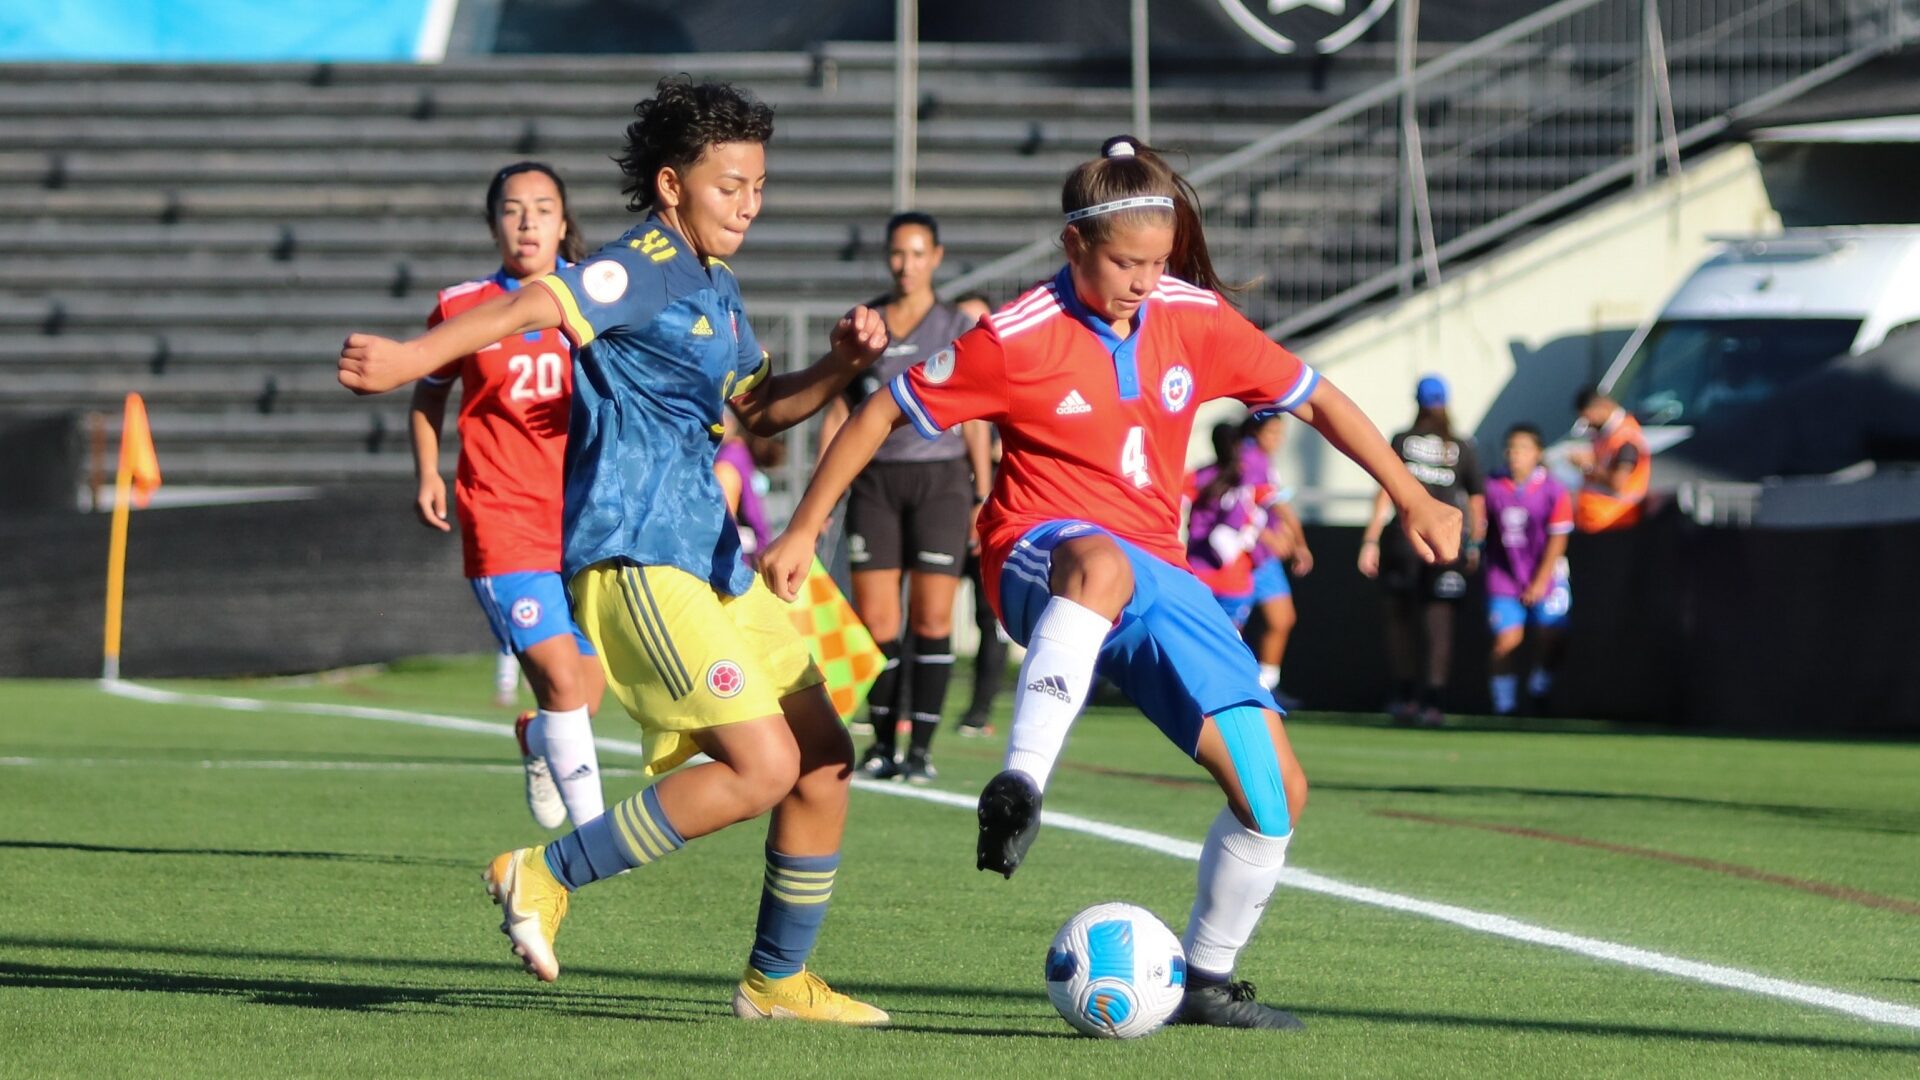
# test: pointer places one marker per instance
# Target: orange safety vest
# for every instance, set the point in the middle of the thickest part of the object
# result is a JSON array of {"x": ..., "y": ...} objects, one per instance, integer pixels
[{"x": 1600, "y": 508}]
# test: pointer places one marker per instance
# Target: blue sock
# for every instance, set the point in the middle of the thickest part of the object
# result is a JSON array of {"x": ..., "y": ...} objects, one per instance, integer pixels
[
  {"x": 1506, "y": 693},
  {"x": 633, "y": 833},
  {"x": 793, "y": 904},
  {"x": 1540, "y": 683}
]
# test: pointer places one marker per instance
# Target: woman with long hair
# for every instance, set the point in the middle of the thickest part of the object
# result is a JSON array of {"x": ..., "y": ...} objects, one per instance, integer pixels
[
  {"x": 1093, "y": 378},
  {"x": 1421, "y": 595},
  {"x": 508, "y": 491}
]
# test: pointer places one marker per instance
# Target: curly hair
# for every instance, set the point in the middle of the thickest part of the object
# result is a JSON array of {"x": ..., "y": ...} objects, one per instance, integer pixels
[{"x": 677, "y": 125}]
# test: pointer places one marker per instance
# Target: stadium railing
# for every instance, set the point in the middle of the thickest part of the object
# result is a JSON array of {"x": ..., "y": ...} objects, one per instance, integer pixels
[{"x": 1377, "y": 195}]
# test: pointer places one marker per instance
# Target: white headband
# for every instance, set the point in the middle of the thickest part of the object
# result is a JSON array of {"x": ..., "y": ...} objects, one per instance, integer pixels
[{"x": 1118, "y": 205}]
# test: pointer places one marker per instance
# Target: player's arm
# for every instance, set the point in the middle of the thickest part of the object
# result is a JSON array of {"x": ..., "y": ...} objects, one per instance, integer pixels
[
  {"x": 1301, "y": 557},
  {"x": 1476, "y": 529},
  {"x": 1431, "y": 525},
  {"x": 831, "y": 419},
  {"x": 781, "y": 401},
  {"x": 731, "y": 484},
  {"x": 425, "y": 418},
  {"x": 1370, "y": 536},
  {"x": 785, "y": 562},
  {"x": 374, "y": 365}
]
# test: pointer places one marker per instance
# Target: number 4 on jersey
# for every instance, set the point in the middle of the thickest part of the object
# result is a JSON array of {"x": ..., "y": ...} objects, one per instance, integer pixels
[{"x": 1133, "y": 458}]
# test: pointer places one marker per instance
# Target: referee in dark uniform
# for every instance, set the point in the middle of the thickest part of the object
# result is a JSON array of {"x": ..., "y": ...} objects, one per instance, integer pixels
[{"x": 911, "y": 512}]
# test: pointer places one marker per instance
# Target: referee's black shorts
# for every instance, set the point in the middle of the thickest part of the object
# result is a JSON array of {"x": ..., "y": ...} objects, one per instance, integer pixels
[{"x": 910, "y": 515}]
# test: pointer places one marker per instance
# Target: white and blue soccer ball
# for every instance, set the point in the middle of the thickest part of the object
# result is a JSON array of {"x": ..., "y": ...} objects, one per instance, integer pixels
[{"x": 1116, "y": 972}]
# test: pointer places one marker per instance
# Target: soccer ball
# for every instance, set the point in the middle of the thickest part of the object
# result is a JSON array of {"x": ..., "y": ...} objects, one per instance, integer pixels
[{"x": 1116, "y": 972}]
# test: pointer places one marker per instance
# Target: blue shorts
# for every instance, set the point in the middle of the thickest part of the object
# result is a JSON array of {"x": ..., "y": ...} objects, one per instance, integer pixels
[
  {"x": 1173, "y": 653},
  {"x": 1506, "y": 613},
  {"x": 1270, "y": 580},
  {"x": 525, "y": 609},
  {"x": 1238, "y": 608}
]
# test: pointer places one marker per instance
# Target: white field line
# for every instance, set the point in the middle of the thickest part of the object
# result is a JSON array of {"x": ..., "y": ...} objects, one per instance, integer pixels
[
  {"x": 1866, "y": 1008},
  {"x": 272, "y": 765}
]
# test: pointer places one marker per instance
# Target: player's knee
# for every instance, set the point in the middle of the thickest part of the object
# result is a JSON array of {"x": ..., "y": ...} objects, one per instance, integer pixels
[
  {"x": 766, "y": 776},
  {"x": 936, "y": 624},
  {"x": 1507, "y": 642},
  {"x": 1095, "y": 573}
]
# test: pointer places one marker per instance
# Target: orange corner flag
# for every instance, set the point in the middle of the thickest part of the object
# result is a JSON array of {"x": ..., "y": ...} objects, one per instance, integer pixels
[
  {"x": 139, "y": 475},
  {"x": 137, "y": 459}
]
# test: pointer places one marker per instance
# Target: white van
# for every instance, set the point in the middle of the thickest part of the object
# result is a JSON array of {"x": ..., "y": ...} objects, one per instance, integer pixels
[{"x": 1760, "y": 312}]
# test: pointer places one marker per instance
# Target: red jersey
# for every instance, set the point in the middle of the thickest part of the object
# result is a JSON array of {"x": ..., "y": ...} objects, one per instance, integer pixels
[
  {"x": 514, "y": 401},
  {"x": 1094, "y": 427}
]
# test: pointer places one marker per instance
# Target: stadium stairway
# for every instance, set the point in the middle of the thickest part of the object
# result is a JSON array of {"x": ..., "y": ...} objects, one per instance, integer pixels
[{"x": 205, "y": 234}]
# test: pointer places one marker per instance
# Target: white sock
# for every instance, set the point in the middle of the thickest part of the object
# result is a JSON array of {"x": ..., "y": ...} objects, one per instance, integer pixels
[
  {"x": 1506, "y": 693},
  {"x": 1269, "y": 676},
  {"x": 1239, "y": 869},
  {"x": 568, "y": 740},
  {"x": 1054, "y": 679}
]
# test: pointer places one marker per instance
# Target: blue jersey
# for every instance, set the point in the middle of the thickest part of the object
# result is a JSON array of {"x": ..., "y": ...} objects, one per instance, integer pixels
[{"x": 661, "y": 344}]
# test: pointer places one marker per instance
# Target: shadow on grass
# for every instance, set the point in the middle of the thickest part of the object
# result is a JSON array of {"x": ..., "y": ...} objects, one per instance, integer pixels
[
  {"x": 376, "y": 858},
  {"x": 1627, "y": 1031},
  {"x": 1892, "y": 822},
  {"x": 709, "y": 981},
  {"x": 333, "y": 995}
]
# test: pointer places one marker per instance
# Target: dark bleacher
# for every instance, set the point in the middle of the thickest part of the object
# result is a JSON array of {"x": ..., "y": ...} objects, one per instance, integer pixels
[{"x": 205, "y": 234}]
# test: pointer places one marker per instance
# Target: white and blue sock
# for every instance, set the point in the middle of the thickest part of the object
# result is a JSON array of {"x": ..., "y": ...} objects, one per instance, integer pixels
[
  {"x": 567, "y": 741},
  {"x": 636, "y": 833},
  {"x": 1054, "y": 680},
  {"x": 1239, "y": 869}
]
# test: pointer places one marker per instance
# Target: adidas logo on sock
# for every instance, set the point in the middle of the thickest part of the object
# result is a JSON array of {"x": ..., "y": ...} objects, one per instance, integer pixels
[
  {"x": 584, "y": 772},
  {"x": 1072, "y": 404},
  {"x": 1052, "y": 686}
]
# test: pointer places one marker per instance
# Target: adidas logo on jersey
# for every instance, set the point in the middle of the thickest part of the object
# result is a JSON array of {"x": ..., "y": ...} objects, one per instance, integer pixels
[
  {"x": 1071, "y": 405},
  {"x": 1052, "y": 686},
  {"x": 702, "y": 328}
]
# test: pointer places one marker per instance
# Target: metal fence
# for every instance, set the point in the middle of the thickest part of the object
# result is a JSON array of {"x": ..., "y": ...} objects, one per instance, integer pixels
[{"x": 1379, "y": 194}]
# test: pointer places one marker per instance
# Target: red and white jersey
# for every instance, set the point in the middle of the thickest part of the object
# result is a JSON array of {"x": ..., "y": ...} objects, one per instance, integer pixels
[
  {"x": 1095, "y": 427},
  {"x": 514, "y": 402}
]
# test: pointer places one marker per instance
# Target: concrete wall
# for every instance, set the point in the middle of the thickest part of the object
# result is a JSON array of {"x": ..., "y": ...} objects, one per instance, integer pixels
[{"x": 1518, "y": 333}]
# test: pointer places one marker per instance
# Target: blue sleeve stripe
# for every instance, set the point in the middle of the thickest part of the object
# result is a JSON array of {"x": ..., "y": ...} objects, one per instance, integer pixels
[
  {"x": 909, "y": 404},
  {"x": 1302, "y": 390}
]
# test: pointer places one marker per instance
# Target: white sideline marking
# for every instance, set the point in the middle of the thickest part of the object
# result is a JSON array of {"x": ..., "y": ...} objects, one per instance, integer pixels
[
  {"x": 1866, "y": 1008},
  {"x": 268, "y": 764}
]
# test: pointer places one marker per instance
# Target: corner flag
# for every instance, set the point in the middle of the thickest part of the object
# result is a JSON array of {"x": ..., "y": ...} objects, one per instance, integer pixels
[
  {"x": 138, "y": 477},
  {"x": 839, "y": 641}
]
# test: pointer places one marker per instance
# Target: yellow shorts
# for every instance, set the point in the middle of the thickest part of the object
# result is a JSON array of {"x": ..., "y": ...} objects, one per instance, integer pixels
[{"x": 683, "y": 657}]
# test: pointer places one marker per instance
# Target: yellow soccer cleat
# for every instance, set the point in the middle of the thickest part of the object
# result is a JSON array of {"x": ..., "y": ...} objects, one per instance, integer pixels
[
  {"x": 534, "y": 902},
  {"x": 804, "y": 996}
]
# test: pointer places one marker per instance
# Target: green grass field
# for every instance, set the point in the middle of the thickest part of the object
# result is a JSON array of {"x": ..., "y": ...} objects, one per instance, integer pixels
[{"x": 190, "y": 891}]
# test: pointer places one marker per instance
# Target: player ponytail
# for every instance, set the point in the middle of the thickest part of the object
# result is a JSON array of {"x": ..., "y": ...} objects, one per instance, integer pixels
[
  {"x": 1128, "y": 170},
  {"x": 678, "y": 124},
  {"x": 573, "y": 247}
]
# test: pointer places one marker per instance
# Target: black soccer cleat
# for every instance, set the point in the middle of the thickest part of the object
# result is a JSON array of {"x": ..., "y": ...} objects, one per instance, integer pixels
[
  {"x": 878, "y": 764},
  {"x": 1231, "y": 1005},
  {"x": 1009, "y": 820}
]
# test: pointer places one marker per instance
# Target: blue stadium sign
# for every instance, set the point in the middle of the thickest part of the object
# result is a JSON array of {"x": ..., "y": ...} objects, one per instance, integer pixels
[{"x": 1316, "y": 26}]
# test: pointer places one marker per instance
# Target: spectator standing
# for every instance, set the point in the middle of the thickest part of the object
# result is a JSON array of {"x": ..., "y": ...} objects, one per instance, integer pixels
[{"x": 1421, "y": 596}]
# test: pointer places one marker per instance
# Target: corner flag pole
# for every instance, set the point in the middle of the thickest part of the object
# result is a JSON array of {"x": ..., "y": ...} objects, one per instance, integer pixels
[{"x": 139, "y": 471}]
